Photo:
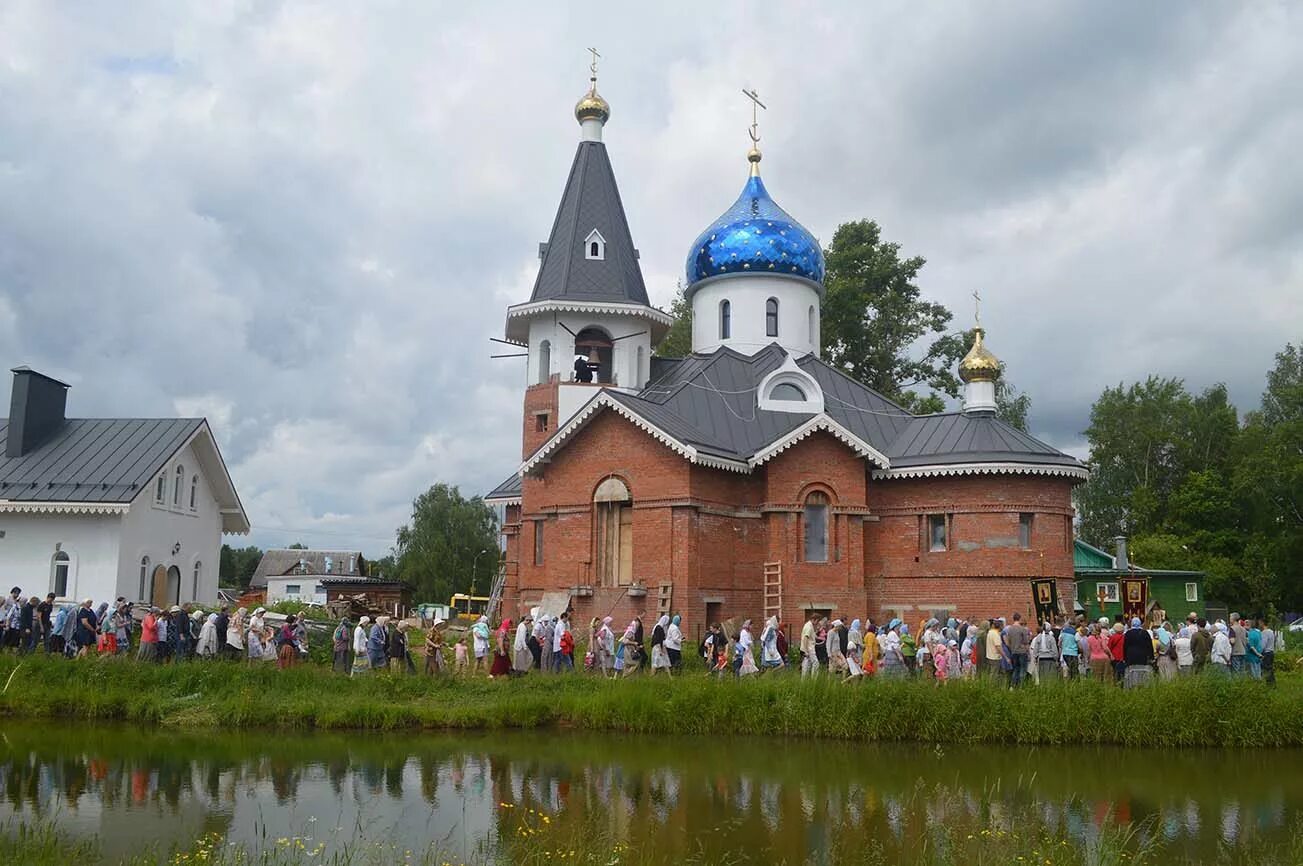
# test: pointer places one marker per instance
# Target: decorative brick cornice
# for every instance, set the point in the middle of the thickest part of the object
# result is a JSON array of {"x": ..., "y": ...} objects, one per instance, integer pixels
[
  {"x": 1080, "y": 473},
  {"x": 816, "y": 424},
  {"x": 951, "y": 508}
]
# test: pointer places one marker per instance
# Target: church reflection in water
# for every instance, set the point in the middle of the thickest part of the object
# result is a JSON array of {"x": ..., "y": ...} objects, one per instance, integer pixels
[{"x": 677, "y": 797}]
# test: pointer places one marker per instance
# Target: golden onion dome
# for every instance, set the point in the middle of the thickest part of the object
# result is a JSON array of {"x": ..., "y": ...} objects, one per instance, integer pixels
[
  {"x": 592, "y": 107},
  {"x": 979, "y": 365}
]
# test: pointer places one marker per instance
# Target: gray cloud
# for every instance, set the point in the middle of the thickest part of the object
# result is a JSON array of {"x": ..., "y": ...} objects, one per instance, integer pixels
[{"x": 305, "y": 221}]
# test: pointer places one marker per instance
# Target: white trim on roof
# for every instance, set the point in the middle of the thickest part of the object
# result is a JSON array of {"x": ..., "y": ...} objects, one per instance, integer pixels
[
  {"x": 8, "y": 506},
  {"x": 519, "y": 311},
  {"x": 817, "y": 423},
  {"x": 603, "y": 400},
  {"x": 943, "y": 469},
  {"x": 502, "y": 500}
]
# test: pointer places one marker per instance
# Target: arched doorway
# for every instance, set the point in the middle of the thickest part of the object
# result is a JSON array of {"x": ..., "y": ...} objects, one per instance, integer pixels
[
  {"x": 165, "y": 588},
  {"x": 613, "y": 509}
]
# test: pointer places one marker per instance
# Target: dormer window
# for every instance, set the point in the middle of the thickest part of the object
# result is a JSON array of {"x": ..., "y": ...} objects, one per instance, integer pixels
[
  {"x": 595, "y": 246},
  {"x": 787, "y": 391},
  {"x": 790, "y": 389}
]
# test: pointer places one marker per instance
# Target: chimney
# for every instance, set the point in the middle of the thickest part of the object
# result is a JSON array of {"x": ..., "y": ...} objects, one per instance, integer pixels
[
  {"x": 36, "y": 410},
  {"x": 1121, "y": 563}
]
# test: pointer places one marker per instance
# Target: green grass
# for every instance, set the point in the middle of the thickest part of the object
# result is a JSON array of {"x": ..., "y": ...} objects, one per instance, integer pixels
[{"x": 1199, "y": 711}]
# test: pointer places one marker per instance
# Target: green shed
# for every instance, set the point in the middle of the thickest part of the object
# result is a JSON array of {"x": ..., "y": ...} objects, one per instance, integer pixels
[{"x": 1176, "y": 592}]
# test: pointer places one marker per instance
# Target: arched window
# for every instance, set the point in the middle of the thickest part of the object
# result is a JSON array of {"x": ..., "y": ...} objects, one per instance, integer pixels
[
  {"x": 595, "y": 246},
  {"x": 144, "y": 578},
  {"x": 614, "y": 533},
  {"x": 725, "y": 320},
  {"x": 771, "y": 317},
  {"x": 592, "y": 250},
  {"x": 194, "y": 493},
  {"x": 176, "y": 488},
  {"x": 60, "y": 566},
  {"x": 544, "y": 361},
  {"x": 787, "y": 391},
  {"x": 809, "y": 315},
  {"x": 194, "y": 595},
  {"x": 815, "y": 526},
  {"x": 160, "y": 490},
  {"x": 638, "y": 376}
]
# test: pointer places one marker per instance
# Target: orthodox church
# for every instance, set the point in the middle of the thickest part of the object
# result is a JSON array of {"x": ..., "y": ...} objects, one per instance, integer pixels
[{"x": 750, "y": 478}]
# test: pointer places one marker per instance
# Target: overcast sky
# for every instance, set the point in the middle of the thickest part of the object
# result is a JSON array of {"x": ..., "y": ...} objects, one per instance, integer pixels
[{"x": 304, "y": 220}]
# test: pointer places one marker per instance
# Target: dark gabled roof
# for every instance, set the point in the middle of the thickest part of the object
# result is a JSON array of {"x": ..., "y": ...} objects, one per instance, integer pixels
[
  {"x": 509, "y": 489},
  {"x": 93, "y": 459},
  {"x": 591, "y": 201},
  {"x": 709, "y": 401},
  {"x": 954, "y": 437},
  {"x": 282, "y": 562}
]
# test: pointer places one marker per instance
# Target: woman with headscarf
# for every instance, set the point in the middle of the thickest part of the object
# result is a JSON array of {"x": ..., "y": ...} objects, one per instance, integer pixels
[
  {"x": 434, "y": 649},
  {"x": 546, "y": 634},
  {"x": 377, "y": 644},
  {"x": 605, "y": 647},
  {"x": 770, "y": 657},
  {"x": 521, "y": 658},
  {"x": 1138, "y": 653},
  {"x": 660, "y": 659},
  {"x": 744, "y": 660},
  {"x": 361, "y": 661},
  {"x": 535, "y": 639},
  {"x": 502, "y": 650},
  {"x": 341, "y": 642},
  {"x": 836, "y": 655},
  {"x": 400, "y": 660},
  {"x": 632, "y": 651},
  {"x": 207, "y": 647},
  {"x": 968, "y": 654},
  {"x": 869, "y": 655},
  {"x": 893, "y": 661},
  {"x": 235, "y": 630},
  {"x": 481, "y": 644},
  {"x": 1166, "y": 653},
  {"x": 674, "y": 644}
]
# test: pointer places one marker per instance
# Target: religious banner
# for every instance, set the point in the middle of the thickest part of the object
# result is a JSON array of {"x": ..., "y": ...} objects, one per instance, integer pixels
[
  {"x": 1045, "y": 598},
  {"x": 1135, "y": 596}
]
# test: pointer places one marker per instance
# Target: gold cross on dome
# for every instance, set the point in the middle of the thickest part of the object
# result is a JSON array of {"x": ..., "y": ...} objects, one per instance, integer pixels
[
  {"x": 592, "y": 67},
  {"x": 755, "y": 118},
  {"x": 977, "y": 309}
]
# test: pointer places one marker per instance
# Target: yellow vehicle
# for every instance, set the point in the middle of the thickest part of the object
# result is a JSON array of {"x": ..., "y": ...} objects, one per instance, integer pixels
[{"x": 469, "y": 607}]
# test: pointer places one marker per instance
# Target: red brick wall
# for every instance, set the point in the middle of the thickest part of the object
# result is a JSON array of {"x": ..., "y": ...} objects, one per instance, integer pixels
[
  {"x": 539, "y": 398},
  {"x": 709, "y": 532}
]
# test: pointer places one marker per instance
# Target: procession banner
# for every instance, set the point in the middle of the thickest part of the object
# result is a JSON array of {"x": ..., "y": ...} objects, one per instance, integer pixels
[
  {"x": 1045, "y": 598},
  {"x": 1135, "y": 596}
]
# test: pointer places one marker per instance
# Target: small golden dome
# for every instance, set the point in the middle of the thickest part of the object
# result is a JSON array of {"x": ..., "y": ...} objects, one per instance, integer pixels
[
  {"x": 979, "y": 365},
  {"x": 592, "y": 106}
]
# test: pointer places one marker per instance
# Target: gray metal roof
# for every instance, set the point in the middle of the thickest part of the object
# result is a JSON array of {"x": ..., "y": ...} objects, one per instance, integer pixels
[
  {"x": 591, "y": 201},
  {"x": 93, "y": 459},
  {"x": 281, "y": 562},
  {"x": 509, "y": 489},
  {"x": 954, "y": 437}
]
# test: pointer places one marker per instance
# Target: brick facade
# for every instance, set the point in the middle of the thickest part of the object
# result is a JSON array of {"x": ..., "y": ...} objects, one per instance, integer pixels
[{"x": 709, "y": 532}]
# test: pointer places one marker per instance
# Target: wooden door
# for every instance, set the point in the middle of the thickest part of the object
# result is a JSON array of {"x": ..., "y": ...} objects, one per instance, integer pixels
[
  {"x": 626, "y": 546},
  {"x": 158, "y": 591}
]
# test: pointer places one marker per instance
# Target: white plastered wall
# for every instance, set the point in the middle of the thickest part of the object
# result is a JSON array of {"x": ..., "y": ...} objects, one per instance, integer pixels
[
  {"x": 624, "y": 353},
  {"x": 747, "y": 295},
  {"x": 90, "y": 540}
]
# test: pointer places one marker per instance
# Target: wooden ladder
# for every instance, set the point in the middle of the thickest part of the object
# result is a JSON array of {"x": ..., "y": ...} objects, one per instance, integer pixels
[
  {"x": 664, "y": 598},
  {"x": 773, "y": 590},
  {"x": 495, "y": 594}
]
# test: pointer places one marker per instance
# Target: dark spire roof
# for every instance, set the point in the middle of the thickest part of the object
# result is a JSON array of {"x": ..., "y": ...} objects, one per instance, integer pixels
[{"x": 591, "y": 201}]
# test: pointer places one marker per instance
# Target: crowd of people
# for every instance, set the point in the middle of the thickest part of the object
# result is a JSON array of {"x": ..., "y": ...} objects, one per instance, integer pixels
[
  {"x": 1126, "y": 652},
  {"x": 31, "y": 624}
]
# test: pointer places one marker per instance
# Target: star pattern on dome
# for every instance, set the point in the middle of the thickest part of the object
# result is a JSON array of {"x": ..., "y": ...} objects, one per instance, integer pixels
[{"x": 755, "y": 233}]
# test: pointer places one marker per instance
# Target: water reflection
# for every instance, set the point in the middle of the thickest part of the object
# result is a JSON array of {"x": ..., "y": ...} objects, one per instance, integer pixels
[{"x": 780, "y": 802}]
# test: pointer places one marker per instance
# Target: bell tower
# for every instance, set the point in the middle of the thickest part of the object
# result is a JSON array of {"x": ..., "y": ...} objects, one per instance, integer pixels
[{"x": 588, "y": 323}]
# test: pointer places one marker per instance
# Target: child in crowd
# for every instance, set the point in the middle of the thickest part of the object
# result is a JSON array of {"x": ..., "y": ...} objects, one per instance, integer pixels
[{"x": 461, "y": 661}]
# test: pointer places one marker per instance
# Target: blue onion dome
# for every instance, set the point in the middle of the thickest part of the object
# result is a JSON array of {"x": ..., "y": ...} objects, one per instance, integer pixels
[{"x": 755, "y": 236}]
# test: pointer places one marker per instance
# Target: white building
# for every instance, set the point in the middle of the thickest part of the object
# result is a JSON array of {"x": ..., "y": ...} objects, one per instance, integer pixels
[
  {"x": 106, "y": 507},
  {"x": 293, "y": 574}
]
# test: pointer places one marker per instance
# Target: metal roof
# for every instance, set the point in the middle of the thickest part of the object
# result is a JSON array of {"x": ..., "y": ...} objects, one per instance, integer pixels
[
  {"x": 955, "y": 437},
  {"x": 509, "y": 489},
  {"x": 591, "y": 201},
  {"x": 282, "y": 562},
  {"x": 93, "y": 459}
]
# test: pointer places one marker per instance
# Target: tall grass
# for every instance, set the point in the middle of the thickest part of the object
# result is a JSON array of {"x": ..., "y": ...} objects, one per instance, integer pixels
[{"x": 1198, "y": 711}]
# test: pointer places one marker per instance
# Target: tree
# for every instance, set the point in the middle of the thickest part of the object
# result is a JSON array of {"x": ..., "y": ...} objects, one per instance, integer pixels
[
  {"x": 450, "y": 545},
  {"x": 1011, "y": 405},
  {"x": 678, "y": 341},
  {"x": 386, "y": 566},
  {"x": 874, "y": 315},
  {"x": 298, "y": 545},
  {"x": 237, "y": 565}
]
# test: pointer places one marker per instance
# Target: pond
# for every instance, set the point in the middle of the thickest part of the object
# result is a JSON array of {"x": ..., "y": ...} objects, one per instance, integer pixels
[{"x": 745, "y": 799}]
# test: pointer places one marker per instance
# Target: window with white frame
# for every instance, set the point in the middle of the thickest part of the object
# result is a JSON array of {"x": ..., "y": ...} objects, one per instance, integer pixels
[
  {"x": 1192, "y": 592},
  {"x": 595, "y": 246},
  {"x": 293, "y": 589},
  {"x": 937, "y": 535},
  {"x": 160, "y": 489},
  {"x": 771, "y": 317},
  {"x": 194, "y": 593},
  {"x": 809, "y": 315},
  {"x": 725, "y": 320},
  {"x": 1107, "y": 592},
  {"x": 815, "y": 527},
  {"x": 59, "y": 569},
  {"x": 144, "y": 578},
  {"x": 194, "y": 493},
  {"x": 1025, "y": 530},
  {"x": 176, "y": 488}
]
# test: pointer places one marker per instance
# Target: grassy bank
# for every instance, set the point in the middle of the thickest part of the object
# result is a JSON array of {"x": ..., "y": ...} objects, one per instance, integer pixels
[{"x": 1200, "y": 711}]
